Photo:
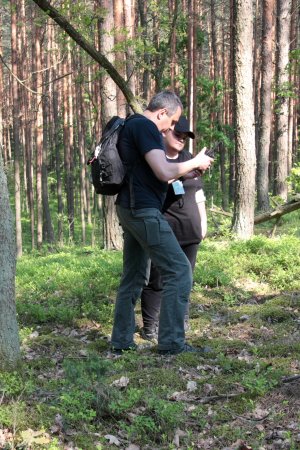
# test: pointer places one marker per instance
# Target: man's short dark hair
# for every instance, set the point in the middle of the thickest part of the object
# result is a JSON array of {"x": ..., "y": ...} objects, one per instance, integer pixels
[{"x": 165, "y": 99}]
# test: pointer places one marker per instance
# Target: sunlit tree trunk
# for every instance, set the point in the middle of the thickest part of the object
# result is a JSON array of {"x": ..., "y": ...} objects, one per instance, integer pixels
[
  {"x": 39, "y": 132},
  {"x": 232, "y": 153},
  {"x": 129, "y": 17},
  {"x": 2, "y": 149},
  {"x": 81, "y": 130},
  {"x": 68, "y": 144},
  {"x": 292, "y": 139},
  {"x": 119, "y": 55},
  {"x": 282, "y": 101},
  {"x": 243, "y": 220},
  {"x": 142, "y": 6},
  {"x": 112, "y": 230},
  {"x": 266, "y": 109},
  {"x": 16, "y": 125},
  {"x": 191, "y": 69},
  {"x": 9, "y": 340},
  {"x": 27, "y": 127},
  {"x": 60, "y": 206}
]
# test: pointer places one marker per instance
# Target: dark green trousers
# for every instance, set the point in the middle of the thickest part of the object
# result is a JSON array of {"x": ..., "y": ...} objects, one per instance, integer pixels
[{"x": 147, "y": 235}]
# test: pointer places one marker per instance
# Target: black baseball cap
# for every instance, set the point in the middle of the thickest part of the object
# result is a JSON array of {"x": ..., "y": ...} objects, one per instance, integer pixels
[{"x": 183, "y": 126}]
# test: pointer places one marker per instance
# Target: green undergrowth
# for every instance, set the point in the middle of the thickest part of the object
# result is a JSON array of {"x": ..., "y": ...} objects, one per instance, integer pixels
[{"x": 72, "y": 393}]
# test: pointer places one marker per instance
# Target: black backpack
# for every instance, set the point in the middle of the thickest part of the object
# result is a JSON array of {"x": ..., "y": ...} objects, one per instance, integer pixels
[{"x": 107, "y": 169}]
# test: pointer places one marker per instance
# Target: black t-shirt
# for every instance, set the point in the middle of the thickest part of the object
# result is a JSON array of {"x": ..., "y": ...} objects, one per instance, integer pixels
[
  {"x": 139, "y": 136},
  {"x": 181, "y": 211}
]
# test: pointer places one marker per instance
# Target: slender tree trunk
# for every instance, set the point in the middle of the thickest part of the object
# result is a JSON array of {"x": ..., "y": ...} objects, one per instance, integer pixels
[
  {"x": 191, "y": 69},
  {"x": 173, "y": 48},
  {"x": 47, "y": 220},
  {"x": 266, "y": 109},
  {"x": 27, "y": 127},
  {"x": 9, "y": 340},
  {"x": 282, "y": 101},
  {"x": 112, "y": 231},
  {"x": 232, "y": 153},
  {"x": 243, "y": 220},
  {"x": 68, "y": 145},
  {"x": 119, "y": 55},
  {"x": 81, "y": 147},
  {"x": 16, "y": 126},
  {"x": 39, "y": 133},
  {"x": 293, "y": 80},
  {"x": 60, "y": 206},
  {"x": 142, "y": 5},
  {"x": 2, "y": 150},
  {"x": 129, "y": 8}
]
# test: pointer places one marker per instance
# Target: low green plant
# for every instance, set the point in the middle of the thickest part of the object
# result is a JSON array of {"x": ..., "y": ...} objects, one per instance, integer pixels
[
  {"x": 85, "y": 395},
  {"x": 258, "y": 383}
]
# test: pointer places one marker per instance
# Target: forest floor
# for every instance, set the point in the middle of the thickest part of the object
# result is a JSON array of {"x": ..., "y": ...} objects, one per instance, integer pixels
[{"x": 72, "y": 393}]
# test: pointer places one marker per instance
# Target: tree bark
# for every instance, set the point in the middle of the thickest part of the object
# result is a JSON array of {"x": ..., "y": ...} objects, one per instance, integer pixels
[
  {"x": 9, "y": 340},
  {"x": 16, "y": 126},
  {"x": 243, "y": 220},
  {"x": 112, "y": 231},
  {"x": 119, "y": 55},
  {"x": 48, "y": 231},
  {"x": 191, "y": 70},
  {"x": 282, "y": 100},
  {"x": 1, "y": 96},
  {"x": 266, "y": 109},
  {"x": 36, "y": 57}
]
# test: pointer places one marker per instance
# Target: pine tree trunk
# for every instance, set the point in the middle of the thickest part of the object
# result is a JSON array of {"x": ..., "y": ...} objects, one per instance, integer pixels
[
  {"x": 47, "y": 220},
  {"x": 232, "y": 160},
  {"x": 282, "y": 101},
  {"x": 142, "y": 5},
  {"x": 266, "y": 108},
  {"x": 112, "y": 231},
  {"x": 129, "y": 8},
  {"x": 16, "y": 126},
  {"x": 68, "y": 146},
  {"x": 2, "y": 149},
  {"x": 243, "y": 220},
  {"x": 191, "y": 69},
  {"x": 9, "y": 340},
  {"x": 81, "y": 148},
  {"x": 119, "y": 56}
]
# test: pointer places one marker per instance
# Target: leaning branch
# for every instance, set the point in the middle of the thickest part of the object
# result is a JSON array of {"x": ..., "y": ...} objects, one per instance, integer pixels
[
  {"x": 291, "y": 206},
  {"x": 276, "y": 213},
  {"x": 91, "y": 50}
]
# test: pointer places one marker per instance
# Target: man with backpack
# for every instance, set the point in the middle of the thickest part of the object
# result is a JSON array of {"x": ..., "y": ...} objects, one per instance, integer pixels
[
  {"x": 184, "y": 209},
  {"x": 147, "y": 234}
]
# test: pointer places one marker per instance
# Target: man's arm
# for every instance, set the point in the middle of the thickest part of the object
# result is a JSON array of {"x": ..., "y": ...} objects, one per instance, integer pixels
[{"x": 166, "y": 171}]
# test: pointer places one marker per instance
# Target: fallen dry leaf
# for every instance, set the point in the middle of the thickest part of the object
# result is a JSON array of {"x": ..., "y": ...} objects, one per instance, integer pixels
[
  {"x": 122, "y": 382},
  {"x": 178, "y": 435},
  {"x": 191, "y": 386},
  {"x": 113, "y": 440}
]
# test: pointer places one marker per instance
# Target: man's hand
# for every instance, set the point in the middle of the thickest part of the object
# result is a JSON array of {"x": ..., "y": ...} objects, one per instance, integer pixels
[{"x": 203, "y": 161}]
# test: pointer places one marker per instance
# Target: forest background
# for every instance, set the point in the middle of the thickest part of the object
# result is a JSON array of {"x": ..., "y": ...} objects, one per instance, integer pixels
[
  {"x": 235, "y": 65},
  {"x": 56, "y": 99}
]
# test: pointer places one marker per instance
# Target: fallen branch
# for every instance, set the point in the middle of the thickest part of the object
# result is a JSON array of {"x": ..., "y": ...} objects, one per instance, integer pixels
[
  {"x": 286, "y": 208},
  {"x": 290, "y": 379},
  {"x": 215, "y": 398},
  {"x": 276, "y": 213},
  {"x": 220, "y": 211},
  {"x": 247, "y": 419}
]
